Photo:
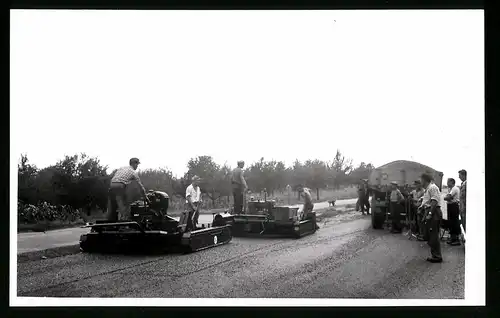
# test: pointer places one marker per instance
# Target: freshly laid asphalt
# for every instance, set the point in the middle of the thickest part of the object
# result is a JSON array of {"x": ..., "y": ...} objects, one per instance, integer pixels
[{"x": 344, "y": 259}]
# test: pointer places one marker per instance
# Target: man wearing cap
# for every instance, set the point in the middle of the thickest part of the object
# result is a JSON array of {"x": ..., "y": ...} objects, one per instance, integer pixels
[
  {"x": 395, "y": 207},
  {"x": 431, "y": 206},
  {"x": 462, "y": 174},
  {"x": 117, "y": 195},
  {"x": 193, "y": 200},
  {"x": 239, "y": 186}
]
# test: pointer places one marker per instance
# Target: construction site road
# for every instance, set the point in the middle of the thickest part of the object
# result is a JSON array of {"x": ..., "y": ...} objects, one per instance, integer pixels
[{"x": 344, "y": 259}]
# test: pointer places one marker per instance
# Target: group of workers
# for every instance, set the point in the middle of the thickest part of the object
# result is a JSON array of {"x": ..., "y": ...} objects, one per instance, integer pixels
[
  {"x": 119, "y": 207},
  {"x": 240, "y": 188},
  {"x": 425, "y": 216}
]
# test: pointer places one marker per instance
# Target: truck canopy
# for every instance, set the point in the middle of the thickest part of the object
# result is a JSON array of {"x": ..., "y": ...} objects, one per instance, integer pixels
[{"x": 403, "y": 172}]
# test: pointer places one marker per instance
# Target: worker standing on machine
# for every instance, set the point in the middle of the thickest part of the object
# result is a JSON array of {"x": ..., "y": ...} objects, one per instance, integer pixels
[
  {"x": 117, "y": 193},
  {"x": 305, "y": 193},
  {"x": 193, "y": 201},
  {"x": 239, "y": 186}
]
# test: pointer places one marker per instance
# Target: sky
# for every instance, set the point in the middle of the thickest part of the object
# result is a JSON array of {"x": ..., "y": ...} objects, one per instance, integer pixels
[{"x": 168, "y": 86}]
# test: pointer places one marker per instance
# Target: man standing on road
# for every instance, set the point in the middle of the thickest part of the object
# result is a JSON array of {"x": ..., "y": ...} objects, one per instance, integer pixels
[
  {"x": 117, "y": 194},
  {"x": 416, "y": 198},
  {"x": 193, "y": 201},
  {"x": 395, "y": 208},
  {"x": 431, "y": 206},
  {"x": 365, "y": 197},
  {"x": 462, "y": 174},
  {"x": 308, "y": 204},
  {"x": 453, "y": 210},
  {"x": 239, "y": 186}
]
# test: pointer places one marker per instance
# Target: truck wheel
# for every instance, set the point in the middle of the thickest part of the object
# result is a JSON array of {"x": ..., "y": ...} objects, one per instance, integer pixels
[{"x": 376, "y": 223}]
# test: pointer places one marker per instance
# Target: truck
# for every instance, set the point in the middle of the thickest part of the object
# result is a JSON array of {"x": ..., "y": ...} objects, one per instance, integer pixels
[{"x": 404, "y": 173}]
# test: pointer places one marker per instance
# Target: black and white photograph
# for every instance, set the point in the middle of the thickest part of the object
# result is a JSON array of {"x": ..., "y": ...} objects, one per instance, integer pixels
[{"x": 247, "y": 158}]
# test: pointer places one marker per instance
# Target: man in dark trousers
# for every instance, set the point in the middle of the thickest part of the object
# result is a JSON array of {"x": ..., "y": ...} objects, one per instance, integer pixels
[
  {"x": 364, "y": 199},
  {"x": 453, "y": 210},
  {"x": 431, "y": 206},
  {"x": 193, "y": 202},
  {"x": 239, "y": 186},
  {"x": 117, "y": 198},
  {"x": 416, "y": 197},
  {"x": 395, "y": 207}
]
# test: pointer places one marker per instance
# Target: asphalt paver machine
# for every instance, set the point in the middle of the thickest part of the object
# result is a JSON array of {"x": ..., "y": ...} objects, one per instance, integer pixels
[
  {"x": 265, "y": 218},
  {"x": 151, "y": 229}
]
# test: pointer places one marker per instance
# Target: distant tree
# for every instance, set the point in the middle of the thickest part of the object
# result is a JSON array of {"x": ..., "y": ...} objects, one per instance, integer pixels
[
  {"x": 339, "y": 169},
  {"x": 299, "y": 176},
  {"x": 82, "y": 181},
  {"x": 317, "y": 174},
  {"x": 211, "y": 175},
  {"x": 26, "y": 176},
  {"x": 363, "y": 171}
]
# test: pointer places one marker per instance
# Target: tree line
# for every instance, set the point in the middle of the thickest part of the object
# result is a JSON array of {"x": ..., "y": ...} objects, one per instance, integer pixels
[{"x": 81, "y": 181}]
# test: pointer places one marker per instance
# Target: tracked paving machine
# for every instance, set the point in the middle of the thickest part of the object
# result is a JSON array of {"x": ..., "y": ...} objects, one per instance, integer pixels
[
  {"x": 404, "y": 173},
  {"x": 266, "y": 219},
  {"x": 151, "y": 229}
]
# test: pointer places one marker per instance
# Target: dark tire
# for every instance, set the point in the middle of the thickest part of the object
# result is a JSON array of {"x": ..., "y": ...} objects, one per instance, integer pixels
[
  {"x": 377, "y": 221},
  {"x": 85, "y": 248}
]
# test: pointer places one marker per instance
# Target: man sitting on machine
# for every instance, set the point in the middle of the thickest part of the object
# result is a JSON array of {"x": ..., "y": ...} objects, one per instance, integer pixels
[{"x": 308, "y": 204}]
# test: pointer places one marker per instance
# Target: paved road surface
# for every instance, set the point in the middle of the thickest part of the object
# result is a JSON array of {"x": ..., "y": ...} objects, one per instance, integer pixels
[
  {"x": 35, "y": 241},
  {"x": 345, "y": 258}
]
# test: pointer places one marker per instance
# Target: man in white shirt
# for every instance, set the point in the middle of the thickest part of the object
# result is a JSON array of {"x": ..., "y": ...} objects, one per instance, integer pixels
[
  {"x": 453, "y": 210},
  {"x": 193, "y": 200},
  {"x": 431, "y": 206}
]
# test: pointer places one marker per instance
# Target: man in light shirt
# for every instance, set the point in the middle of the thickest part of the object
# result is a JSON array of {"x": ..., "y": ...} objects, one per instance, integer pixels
[
  {"x": 308, "y": 207},
  {"x": 453, "y": 209},
  {"x": 431, "y": 207},
  {"x": 117, "y": 197},
  {"x": 193, "y": 201}
]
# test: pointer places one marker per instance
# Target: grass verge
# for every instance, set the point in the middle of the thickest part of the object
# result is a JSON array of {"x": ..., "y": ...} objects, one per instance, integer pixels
[{"x": 58, "y": 225}]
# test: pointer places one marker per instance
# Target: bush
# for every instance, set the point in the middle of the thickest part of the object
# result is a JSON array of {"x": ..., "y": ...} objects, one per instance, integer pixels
[{"x": 43, "y": 211}]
